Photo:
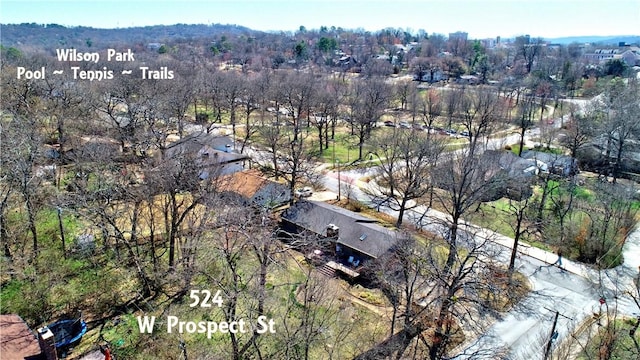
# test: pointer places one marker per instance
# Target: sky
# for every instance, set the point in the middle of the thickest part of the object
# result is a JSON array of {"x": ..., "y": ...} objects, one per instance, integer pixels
[{"x": 479, "y": 18}]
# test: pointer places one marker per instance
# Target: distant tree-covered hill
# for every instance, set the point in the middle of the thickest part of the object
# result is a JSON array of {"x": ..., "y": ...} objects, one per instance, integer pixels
[
  {"x": 602, "y": 40},
  {"x": 53, "y": 35}
]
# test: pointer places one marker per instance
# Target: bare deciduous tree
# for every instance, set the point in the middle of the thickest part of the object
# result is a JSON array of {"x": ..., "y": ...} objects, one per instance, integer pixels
[
  {"x": 368, "y": 99},
  {"x": 406, "y": 161},
  {"x": 480, "y": 110},
  {"x": 579, "y": 131},
  {"x": 22, "y": 139},
  {"x": 437, "y": 304},
  {"x": 466, "y": 181},
  {"x": 524, "y": 119},
  {"x": 529, "y": 50}
]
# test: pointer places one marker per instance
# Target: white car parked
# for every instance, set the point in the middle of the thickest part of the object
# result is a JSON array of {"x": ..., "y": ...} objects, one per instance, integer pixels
[{"x": 304, "y": 192}]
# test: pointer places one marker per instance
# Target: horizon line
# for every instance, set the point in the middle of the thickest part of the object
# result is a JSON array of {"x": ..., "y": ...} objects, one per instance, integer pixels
[{"x": 356, "y": 29}]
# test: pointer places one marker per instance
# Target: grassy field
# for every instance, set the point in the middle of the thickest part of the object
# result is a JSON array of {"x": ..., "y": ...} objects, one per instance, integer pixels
[
  {"x": 497, "y": 216},
  {"x": 344, "y": 323},
  {"x": 102, "y": 284},
  {"x": 515, "y": 148},
  {"x": 617, "y": 344}
]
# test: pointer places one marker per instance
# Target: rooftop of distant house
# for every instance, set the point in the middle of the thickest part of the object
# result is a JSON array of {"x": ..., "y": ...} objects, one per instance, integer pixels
[
  {"x": 253, "y": 186},
  {"x": 209, "y": 149}
]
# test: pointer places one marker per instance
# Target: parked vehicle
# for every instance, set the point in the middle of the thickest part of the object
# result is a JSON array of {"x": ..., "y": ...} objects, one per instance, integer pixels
[
  {"x": 304, "y": 192},
  {"x": 389, "y": 123}
]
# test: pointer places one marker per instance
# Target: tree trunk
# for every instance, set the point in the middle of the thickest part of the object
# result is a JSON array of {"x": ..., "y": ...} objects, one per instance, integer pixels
[
  {"x": 4, "y": 238},
  {"x": 64, "y": 250},
  {"x": 516, "y": 240},
  {"x": 616, "y": 165},
  {"x": 172, "y": 230},
  {"x": 453, "y": 246},
  {"x": 401, "y": 211},
  {"x": 361, "y": 136},
  {"x": 320, "y": 137},
  {"x": 543, "y": 199},
  {"x": 522, "y": 132},
  {"x": 32, "y": 224},
  {"x": 4, "y": 234}
]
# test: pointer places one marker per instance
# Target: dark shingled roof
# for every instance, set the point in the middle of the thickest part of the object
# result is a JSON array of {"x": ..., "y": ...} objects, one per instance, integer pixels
[
  {"x": 548, "y": 158},
  {"x": 567, "y": 164},
  {"x": 355, "y": 231},
  {"x": 515, "y": 166}
]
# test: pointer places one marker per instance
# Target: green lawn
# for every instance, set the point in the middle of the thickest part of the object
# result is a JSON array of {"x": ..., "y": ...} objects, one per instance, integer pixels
[
  {"x": 343, "y": 149},
  {"x": 621, "y": 344},
  {"x": 516, "y": 147},
  {"x": 493, "y": 215}
]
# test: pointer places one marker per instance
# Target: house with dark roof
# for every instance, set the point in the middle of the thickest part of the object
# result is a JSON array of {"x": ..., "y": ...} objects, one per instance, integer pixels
[
  {"x": 210, "y": 154},
  {"x": 353, "y": 239},
  {"x": 516, "y": 172},
  {"x": 502, "y": 173},
  {"x": 562, "y": 165},
  {"x": 601, "y": 153},
  {"x": 515, "y": 166}
]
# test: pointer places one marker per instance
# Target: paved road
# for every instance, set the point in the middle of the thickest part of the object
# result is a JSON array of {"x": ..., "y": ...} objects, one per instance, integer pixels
[{"x": 573, "y": 291}]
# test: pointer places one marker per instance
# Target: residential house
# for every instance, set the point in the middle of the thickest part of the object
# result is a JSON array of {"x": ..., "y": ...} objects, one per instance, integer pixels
[
  {"x": 468, "y": 80},
  {"x": 17, "y": 341},
  {"x": 556, "y": 164},
  {"x": 629, "y": 54},
  {"x": 515, "y": 166},
  {"x": 601, "y": 153},
  {"x": 631, "y": 57},
  {"x": 253, "y": 188},
  {"x": 352, "y": 239},
  {"x": 517, "y": 172},
  {"x": 346, "y": 61},
  {"x": 210, "y": 154},
  {"x": 405, "y": 48},
  {"x": 90, "y": 148},
  {"x": 432, "y": 76}
]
